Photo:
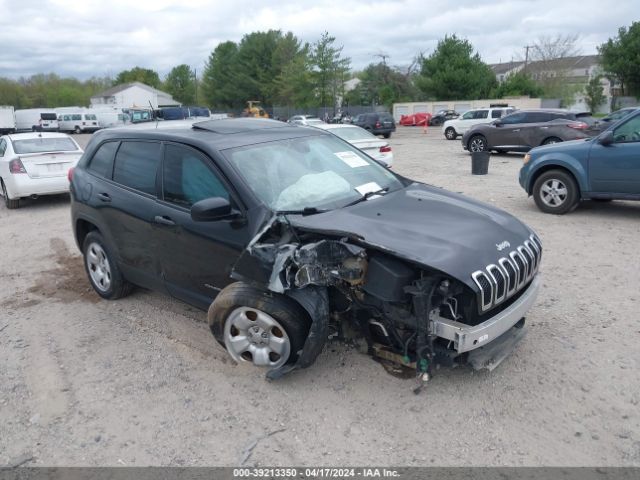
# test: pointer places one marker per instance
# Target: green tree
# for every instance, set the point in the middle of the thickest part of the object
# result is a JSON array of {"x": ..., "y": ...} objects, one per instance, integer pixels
[
  {"x": 219, "y": 87},
  {"x": 180, "y": 82},
  {"x": 139, "y": 74},
  {"x": 454, "y": 71},
  {"x": 329, "y": 70},
  {"x": 620, "y": 57},
  {"x": 516, "y": 84},
  {"x": 294, "y": 85},
  {"x": 594, "y": 94},
  {"x": 381, "y": 85}
]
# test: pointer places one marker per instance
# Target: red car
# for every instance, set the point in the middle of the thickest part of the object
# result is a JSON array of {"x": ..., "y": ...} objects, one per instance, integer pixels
[{"x": 416, "y": 120}]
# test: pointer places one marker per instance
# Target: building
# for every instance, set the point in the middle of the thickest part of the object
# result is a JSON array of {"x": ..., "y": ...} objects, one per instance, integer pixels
[
  {"x": 133, "y": 95},
  {"x": 574, "y": 71}
]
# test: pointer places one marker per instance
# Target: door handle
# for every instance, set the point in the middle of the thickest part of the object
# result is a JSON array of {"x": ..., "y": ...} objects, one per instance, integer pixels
[
  {"x": 544, "y": 128},
  {"x": 516, "y": 130},
  {"x": 163, "y": 220},
  {"x": 105, "y": 197}
]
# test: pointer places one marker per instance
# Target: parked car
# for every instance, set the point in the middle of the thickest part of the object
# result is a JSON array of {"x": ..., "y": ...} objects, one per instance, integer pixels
[
  {"x": 7, "y": 120},
  {"x": 79, "y": 122},
  {"x": 363, "y": 140},
  {"x": 415, "y": 120},
  {"x": 610, "y": 119},
  {"x": 442, "y": 116},
  {"x": 455, "y": 127},
  {"x": 35, "y": 164},
  {"x": 279, "y": 230},
  {"x": 602, "y": 168},
  {"x": 525, "y": 129},
  {"x": 305, "y": 120},
  {"x": 36, "y": 120},
  {"x": 377, "y": 123}
]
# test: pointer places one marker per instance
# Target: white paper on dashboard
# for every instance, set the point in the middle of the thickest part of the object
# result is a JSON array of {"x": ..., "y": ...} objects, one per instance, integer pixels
[
  {"x": 368, "y": 187},
  {"x": 351, "y": 159}
]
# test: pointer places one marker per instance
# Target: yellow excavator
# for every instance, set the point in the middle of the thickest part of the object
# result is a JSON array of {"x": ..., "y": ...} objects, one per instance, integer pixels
[{"x": 254, "y": 110}]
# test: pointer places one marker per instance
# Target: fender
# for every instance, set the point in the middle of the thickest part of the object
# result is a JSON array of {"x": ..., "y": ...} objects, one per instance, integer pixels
[{"x": 563, "y": 160}]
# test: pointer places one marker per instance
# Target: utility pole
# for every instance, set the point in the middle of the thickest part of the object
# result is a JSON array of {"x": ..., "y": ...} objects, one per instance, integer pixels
[{"x": 526, "y": 56}]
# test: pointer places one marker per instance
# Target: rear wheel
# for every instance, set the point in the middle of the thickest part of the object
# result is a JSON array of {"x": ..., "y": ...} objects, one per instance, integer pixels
[
  {"x": 477, "y": 143},
  {"x": 450, "y": 133},
  {"x": 556, "y": 192},
  {"x": 258, "y": 327},
  {"x": 386, "y": 135},
  {"x": 8, "y": 202},
  {"x": 102, "y": 269},
  {"x": 552, "y": 140}
]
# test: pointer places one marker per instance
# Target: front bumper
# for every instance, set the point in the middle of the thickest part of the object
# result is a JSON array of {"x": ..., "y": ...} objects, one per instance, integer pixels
[{"x": 466, "y": 338}]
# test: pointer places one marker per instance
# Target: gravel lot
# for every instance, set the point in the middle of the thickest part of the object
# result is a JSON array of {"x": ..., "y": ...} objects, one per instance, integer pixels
[{"x": 140, "y": 381}]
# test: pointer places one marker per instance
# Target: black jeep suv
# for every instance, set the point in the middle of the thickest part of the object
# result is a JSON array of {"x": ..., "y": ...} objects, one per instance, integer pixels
[
  {"x": 377, "y": 123},
  {"x": 279, "y": 230}
]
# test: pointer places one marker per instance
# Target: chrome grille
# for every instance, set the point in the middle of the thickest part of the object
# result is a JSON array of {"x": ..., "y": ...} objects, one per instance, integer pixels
[{"x": 497, "y": 282}]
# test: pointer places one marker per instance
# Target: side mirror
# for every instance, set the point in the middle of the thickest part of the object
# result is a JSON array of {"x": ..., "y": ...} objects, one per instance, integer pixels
[
  {"x": 211, "y": 209},
  {"x": 606, "y": 138}
]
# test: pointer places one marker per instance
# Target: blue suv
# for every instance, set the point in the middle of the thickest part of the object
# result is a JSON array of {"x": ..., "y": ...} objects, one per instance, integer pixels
[{"x": 606, "y": 167}]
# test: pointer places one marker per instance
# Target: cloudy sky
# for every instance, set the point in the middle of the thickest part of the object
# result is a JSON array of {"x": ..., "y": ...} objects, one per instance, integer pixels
[{"x": 94, "y": 37}]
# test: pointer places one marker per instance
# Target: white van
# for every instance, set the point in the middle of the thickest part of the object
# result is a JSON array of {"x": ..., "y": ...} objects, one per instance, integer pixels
[
  {"x": 110, "y": 118},
  {"x": 36, "y": 120},
  {"x": 78, "y": 122},
  {"x": 7, "y": 120}
]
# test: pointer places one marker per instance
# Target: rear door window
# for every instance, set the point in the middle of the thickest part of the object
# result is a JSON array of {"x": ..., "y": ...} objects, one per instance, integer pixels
[
  {"x": 481, "y": 114},
  {"x": 3, "y": 147},
  {"x": 101, "y": 163},
  {"x": 136, "y": 165}
]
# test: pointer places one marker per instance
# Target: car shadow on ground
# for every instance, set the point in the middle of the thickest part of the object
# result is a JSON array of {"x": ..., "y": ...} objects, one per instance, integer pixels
[{"x": 48, "y": 201}]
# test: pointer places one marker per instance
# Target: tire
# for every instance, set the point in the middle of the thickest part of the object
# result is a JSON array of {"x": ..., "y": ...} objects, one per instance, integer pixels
[
  {"x": 548, "y": 192},
  {"x": 102, "y": 269},
  {"x": 477, "y": 143},
  {"x": 450, "y": 133},
  {"x": 386, "y": 135},
  {"x": 551, "y": 141},
  {"x": 77, "y": 130},
  {"x": 282, "y": 325},
  {"x": 435, "y": 123},
  {"x": 11, "y": 204}
]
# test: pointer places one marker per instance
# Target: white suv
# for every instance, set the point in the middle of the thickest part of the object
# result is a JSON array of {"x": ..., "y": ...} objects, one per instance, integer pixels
[{"x": 455, "y": 127}]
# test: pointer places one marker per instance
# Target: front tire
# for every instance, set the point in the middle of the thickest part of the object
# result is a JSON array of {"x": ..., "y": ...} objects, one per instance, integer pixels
[
  {"x": 556, "y": 192},
  {"x": 450, "y": 133},
  {"x": 258, "y": 327},
  {"x": 11, "y": 204},
  {"x": 102, "y": 269},
  {"x": 77, "y": 130},
  {"x": 477, "y": 143}
]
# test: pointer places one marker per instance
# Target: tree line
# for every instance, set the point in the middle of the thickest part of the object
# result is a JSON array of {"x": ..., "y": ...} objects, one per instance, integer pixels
[{"x": 277, "y": 68}]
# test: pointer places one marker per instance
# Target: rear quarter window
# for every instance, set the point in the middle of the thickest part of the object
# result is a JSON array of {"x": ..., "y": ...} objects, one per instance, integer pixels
[
  {"x": 101, "y": 163},
  {"x": 136, "y": 165}
]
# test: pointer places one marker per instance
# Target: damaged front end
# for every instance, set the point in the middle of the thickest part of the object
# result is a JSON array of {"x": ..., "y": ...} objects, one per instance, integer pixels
[{"x": 409, "y": 314}]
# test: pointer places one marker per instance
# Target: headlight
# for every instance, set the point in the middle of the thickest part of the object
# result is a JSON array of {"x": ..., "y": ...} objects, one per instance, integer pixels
[{"x": 527, "y": 157}]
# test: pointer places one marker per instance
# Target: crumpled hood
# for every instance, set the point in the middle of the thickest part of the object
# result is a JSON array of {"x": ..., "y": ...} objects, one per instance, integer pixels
[{"x": 427, "y": 226}]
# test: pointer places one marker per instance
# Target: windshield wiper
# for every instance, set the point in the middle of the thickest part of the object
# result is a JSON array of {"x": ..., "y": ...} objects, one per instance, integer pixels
[
  {"x": 303, "y": 211},
  {"x": 368, "y": 195}
]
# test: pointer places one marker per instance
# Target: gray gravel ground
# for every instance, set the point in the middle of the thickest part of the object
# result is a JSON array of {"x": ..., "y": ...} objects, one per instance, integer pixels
[{"x": 140, "y": 381}]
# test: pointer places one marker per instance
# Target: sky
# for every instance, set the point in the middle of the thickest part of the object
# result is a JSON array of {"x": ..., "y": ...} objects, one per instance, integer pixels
[{"x": 101, "y": 38}]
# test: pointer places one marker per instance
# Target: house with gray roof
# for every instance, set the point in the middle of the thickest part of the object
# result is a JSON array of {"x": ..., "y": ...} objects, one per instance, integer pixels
[{"x": 133, "y": 95}]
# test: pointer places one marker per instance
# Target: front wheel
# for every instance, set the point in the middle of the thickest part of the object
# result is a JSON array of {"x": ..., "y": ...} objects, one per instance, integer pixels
[
  {"x": 477, "y": 143},
  {"x": 450, "y": 133},
  {"x": 77, "y": 130},
  {"x": 258, "y": 327},
  {"x": 101, "y": 267},
  {"x": 556, "y": 192}
]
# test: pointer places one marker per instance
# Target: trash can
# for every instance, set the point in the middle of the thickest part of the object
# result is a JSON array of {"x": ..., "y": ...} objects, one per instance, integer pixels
[{"x": 480, "y": 163}]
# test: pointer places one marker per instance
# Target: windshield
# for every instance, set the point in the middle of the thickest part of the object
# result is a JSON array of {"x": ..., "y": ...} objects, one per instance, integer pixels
[
  {"x": 39, "y": 145},
  {"x": 353, "y": 133},
  {"x": 312, "y": 172}
]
